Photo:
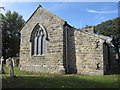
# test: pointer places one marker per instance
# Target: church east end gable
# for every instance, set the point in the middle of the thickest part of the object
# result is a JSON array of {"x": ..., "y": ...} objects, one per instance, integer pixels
[{"x": 50, "y": 45}]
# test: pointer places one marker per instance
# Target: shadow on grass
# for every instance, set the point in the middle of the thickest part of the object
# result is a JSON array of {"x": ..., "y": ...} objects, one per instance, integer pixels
[
  {"x": 115, "y": 70},
  {"x": 58, "y": 82}
]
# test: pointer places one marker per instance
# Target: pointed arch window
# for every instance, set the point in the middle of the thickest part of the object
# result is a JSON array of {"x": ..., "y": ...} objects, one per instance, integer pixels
[{"x": 38, "y": 39}]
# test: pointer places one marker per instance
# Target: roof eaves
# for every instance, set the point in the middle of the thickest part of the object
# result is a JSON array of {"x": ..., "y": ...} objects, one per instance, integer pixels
[{"x": 99, "y": 36}]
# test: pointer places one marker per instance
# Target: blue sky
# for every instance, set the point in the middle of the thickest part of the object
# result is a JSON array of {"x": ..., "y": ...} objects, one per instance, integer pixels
[{"x": 77, "y": 14}]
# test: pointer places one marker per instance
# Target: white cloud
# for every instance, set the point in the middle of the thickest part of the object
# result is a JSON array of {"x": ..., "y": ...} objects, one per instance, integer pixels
[{"x": 95, "y": 11}]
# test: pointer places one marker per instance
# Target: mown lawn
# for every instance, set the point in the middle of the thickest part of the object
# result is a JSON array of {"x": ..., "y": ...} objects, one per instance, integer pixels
[{"x": 44, "y": 80}]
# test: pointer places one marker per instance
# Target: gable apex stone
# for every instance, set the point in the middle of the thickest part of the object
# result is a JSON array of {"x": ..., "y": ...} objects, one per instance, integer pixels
[{"x": 40, "y": 7}]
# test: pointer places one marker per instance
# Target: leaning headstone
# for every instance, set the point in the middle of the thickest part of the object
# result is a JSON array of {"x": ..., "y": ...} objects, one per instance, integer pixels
[
  {"x": 7, "y": 62},
  {"x": 1, "y": 66},
  {"x": 10, "y": 67},
  {"x": 13, "y": 60}
]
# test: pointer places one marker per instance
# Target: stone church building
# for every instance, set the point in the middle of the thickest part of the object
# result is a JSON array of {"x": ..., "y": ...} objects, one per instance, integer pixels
[
  {"x": 0, "y": 38},
  {"x": 50, "y": 45}
]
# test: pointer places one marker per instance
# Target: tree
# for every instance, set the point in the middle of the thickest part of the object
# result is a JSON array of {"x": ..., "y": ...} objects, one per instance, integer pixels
[
  {"x": 11, "y": 25},
  {"x": 111, "y": 28}
]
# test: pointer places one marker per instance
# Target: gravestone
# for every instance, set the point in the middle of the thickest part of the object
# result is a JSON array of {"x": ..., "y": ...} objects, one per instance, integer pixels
[
  {"x": 1, "y": 66},
  {"x": 7, "y": 62},
  {"x": 10, "y": 66},
  {"x": 15, "y": 61}
]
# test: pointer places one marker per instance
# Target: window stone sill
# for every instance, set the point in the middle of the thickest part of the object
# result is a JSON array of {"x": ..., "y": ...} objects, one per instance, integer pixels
[{"x": 38, "y": 55}]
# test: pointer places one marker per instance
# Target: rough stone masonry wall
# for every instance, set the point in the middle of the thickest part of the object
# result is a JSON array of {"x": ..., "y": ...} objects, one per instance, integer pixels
[
  {"x": 112, "y": 57},
  {"x": 0, "y": 38},
  {"x": 0, "y": 43},
  {"x": 71, "y": 54},
  {"x": 52, "y": 62},
  {"x": 89, "y": 54}
]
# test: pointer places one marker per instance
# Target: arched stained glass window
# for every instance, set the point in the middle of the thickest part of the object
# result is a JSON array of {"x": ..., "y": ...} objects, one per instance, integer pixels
[{"x": 38, "y": 39}]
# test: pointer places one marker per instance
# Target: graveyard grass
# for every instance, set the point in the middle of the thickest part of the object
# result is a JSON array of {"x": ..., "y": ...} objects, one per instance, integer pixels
[{"x": 45, "y": 80}]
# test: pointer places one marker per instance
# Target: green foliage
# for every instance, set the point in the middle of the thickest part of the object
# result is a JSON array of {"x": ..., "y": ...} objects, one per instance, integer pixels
[
  {"x": 11, "y": 25},
  {"x": 110, "y": 28}
]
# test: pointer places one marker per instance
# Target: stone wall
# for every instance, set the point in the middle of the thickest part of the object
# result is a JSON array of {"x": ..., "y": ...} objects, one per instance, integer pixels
[
  {"x": 52, "y": 62},
  {"x": 89, "y": 54},
  {"x": 0, "y": 38},
  {"x": 85, "y": 53},
  {"x": 71, "y": 54},
  {"x": 106, "y": 57},
  {"x": 68, "y": 50},
  {"x": 90, "y": 29},
  {"x": 112, "y": 57}
]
